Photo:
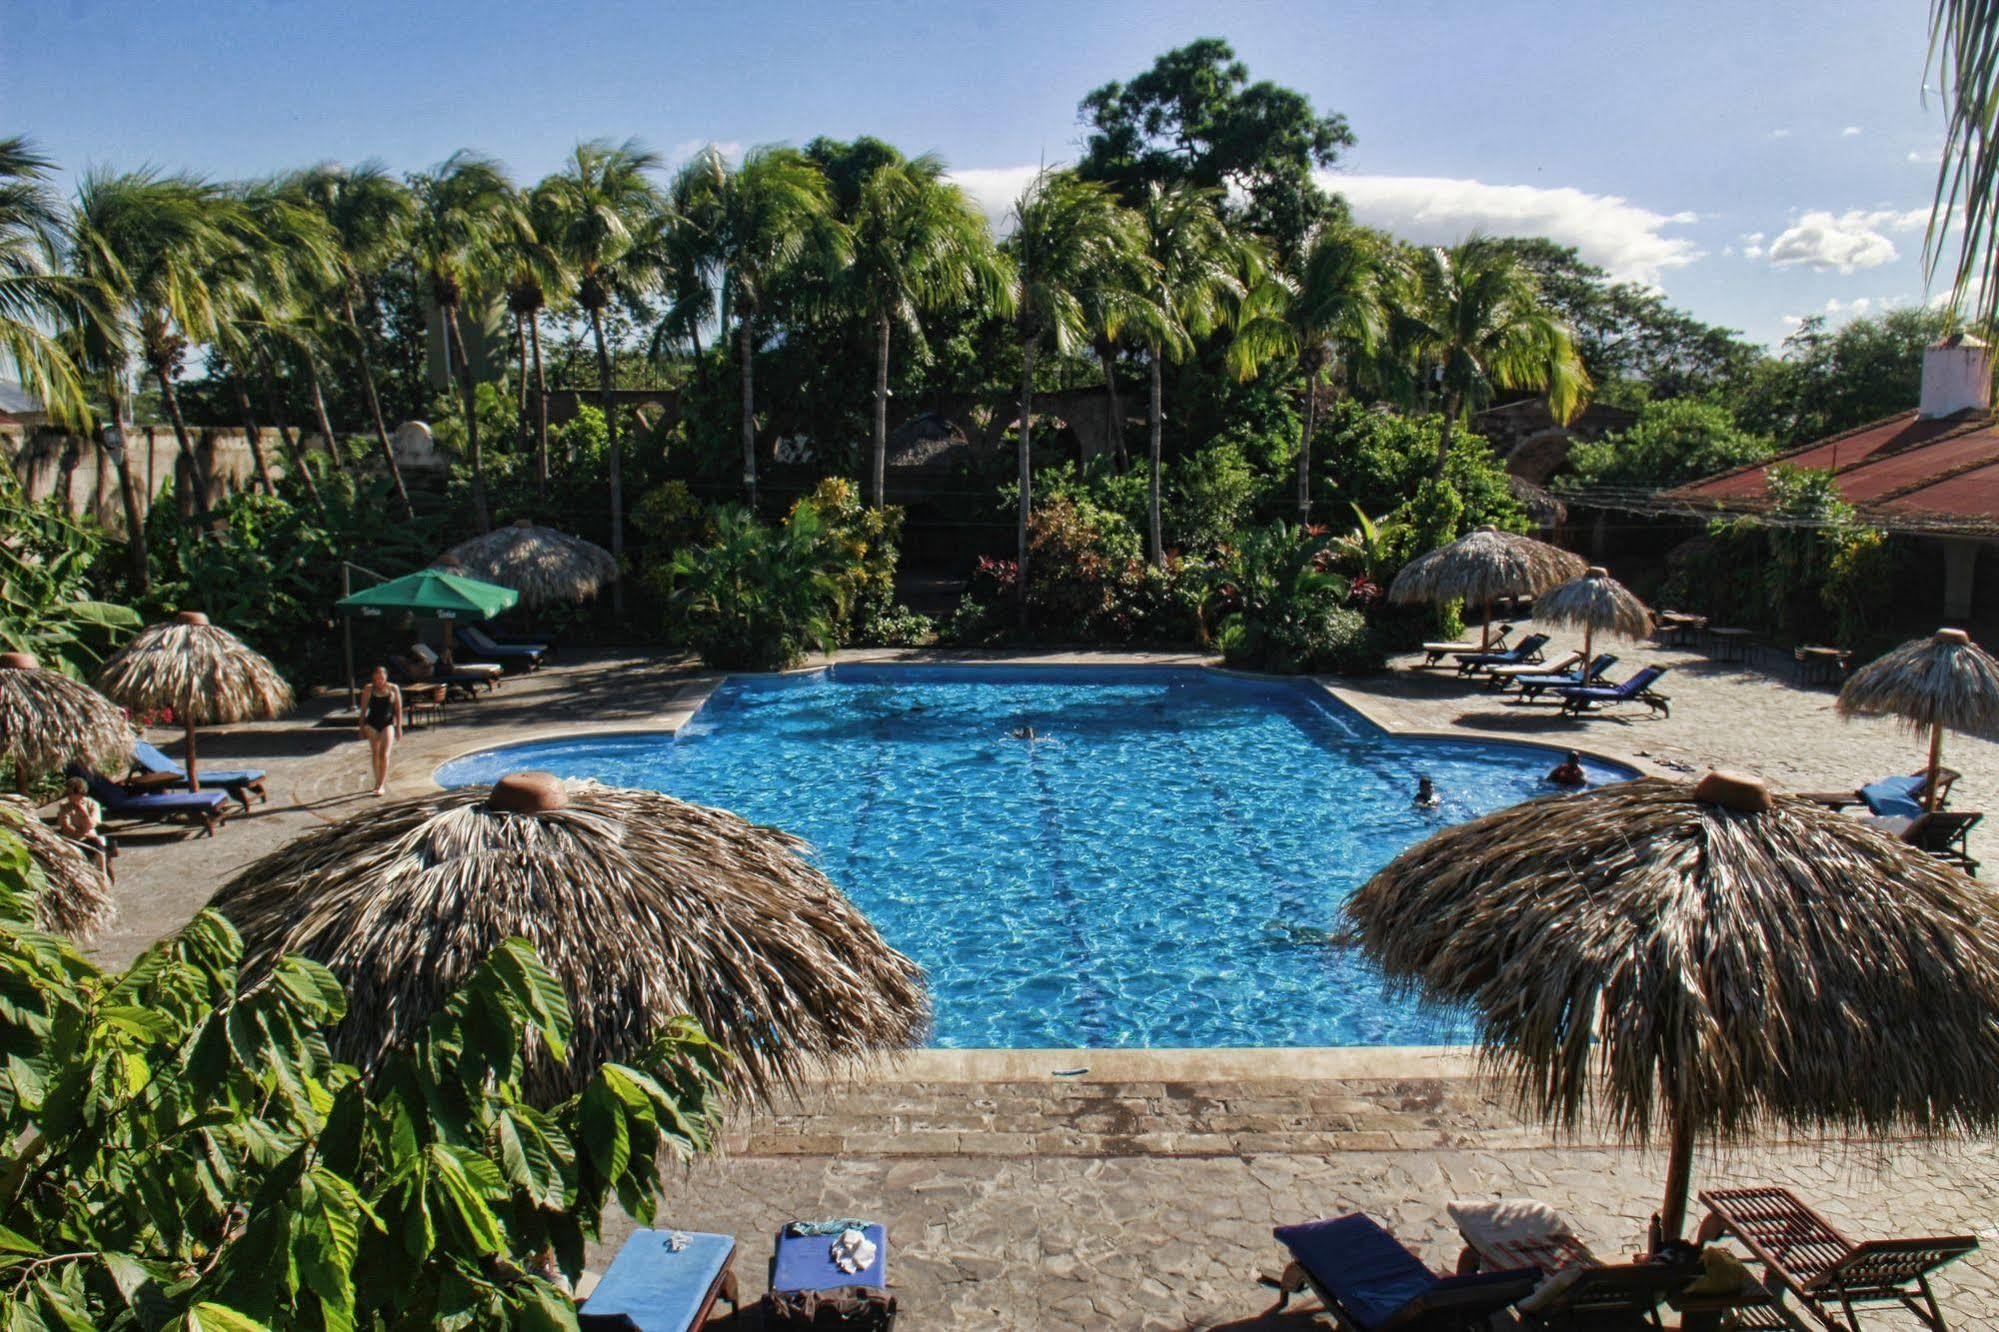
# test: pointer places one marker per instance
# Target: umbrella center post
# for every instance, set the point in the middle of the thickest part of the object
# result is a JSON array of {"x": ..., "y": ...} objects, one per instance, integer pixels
[
  {"x": 1930, "y": 794},
  {"x": 1679, "y": 1180},
  {"x": 193, "y": 781}
]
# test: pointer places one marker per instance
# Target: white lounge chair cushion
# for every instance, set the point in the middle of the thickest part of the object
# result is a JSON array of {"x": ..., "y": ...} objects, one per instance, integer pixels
[{"x": 1498, "y": 1230}]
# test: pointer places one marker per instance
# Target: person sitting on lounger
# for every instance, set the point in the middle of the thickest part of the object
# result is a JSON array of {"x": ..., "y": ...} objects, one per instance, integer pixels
[
  {"x": 1426, "y": 794},
  {"x": 78, "y": 817},
  {"x": 1569, "y": 772}
]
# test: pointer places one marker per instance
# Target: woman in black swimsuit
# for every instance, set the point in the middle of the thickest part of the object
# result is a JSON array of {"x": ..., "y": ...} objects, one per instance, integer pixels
[{"x": 381, "y": 722}]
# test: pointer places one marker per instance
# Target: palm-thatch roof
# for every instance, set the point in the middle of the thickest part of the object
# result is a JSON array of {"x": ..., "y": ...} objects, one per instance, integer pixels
[
  {"x": 48, "y": 721},
  {"x": 1943, "y": 682},
  {"x": 1708, "y": 958},
  {"x": 645, "y": 907},
  {"x": 1595, "y": 602},
  {"x": 545, "y": 566},
  {"x": 1481, "y": 567},
  {"x": 76, "y": 894},
  {"x": 206, "y": 674},
  {"x": 1544, "y": 507}
]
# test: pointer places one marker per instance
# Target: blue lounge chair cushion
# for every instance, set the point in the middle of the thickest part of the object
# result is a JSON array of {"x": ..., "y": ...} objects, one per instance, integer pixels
[
  {"x": 651, "y": 1288},
  {"x": 1360, "y": 1264},
  {"x": 1512, "y": 656},
  {"x": 805, "y": 1262},
  {"x": 117, "y": 800},
  {"x": 153, "y": 760},
  {"x": 1895, "y": 796},
  {"x": 485, "y": 642},
  {"x": 1616, "y": 693}
]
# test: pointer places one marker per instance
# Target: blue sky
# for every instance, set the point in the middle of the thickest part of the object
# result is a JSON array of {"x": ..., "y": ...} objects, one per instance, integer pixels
[{"x": 1756, "y": 161}]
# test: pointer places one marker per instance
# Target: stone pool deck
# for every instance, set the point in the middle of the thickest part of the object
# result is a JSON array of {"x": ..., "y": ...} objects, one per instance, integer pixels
[{"x": 1141, "y": 1193}]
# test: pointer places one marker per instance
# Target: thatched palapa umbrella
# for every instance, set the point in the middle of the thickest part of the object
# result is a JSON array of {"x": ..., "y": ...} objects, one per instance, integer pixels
[
  {"x": 1480, "y": 568},
  {"x": 204, "y": 673},
  {"x": 545, "y": 566},
  {"x": 1594, "y": 601},
  {"x": 48, "y": 721},
  {"x": 76, "y": 893},
  {"x": 645, "y": 907},
  {"x": 1945, "y": 681},
  {"x": 1705, "y": 959}
]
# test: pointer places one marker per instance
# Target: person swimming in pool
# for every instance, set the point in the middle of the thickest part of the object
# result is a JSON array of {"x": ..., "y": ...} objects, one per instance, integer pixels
[
  {"x": 1023, "y": 733},
  {"x": 1426, "y": 794},
  {"x": 1569, "y": 772}
]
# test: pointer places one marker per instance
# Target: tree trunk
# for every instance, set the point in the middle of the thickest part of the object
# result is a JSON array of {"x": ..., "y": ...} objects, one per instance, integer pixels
[
  {"x": 197, "y": 475},
  {"x": 521, "y": 376},
  {"x": 333, "y": 449},
  {"x": 468, "y": 396},
  {"x": 1113, "y": 410},
  {"x": 1305, "y": 445},
  {"x": 613, "y": 456},
  {"x": 375, "y": 409},
  {"x": 294, "y": 446},
  {"x": 1026, "y": 469},
  {"x": 540, "y": 413},
  {"x": 878, "y": 470},
  {"x": 254, "y": 435},
  {"x": 128, "y": 495},
  {"x": 1155, "y": 419},
  {"x": 746, "y": 350},
  {"x": 1451, "y": 407}
]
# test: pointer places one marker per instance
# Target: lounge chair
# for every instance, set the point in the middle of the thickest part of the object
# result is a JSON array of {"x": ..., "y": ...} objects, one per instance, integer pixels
[
  {"x": 512, "y": 657},
  {"x": 654, "y": 1287},
  {"x": 1568, "y": 664},
  {"x": 1526, "y": 650},
  {"x": 406, "y": 671},
  {"x": 1370, "y": 1283},
  {"x": 1533, "y": 686},
  {"x": 204, "y": 807},
  {"x": 809, "y": 1289},
  {"x": 485, "y": 673},
  {"x": 1433, "y": 653},
  {"x": 1941, "y": 832},
  {"x": 1805, "y": 1256},
  {"x": 1578, "y": 699},
  {"x": 1891, "y": 795},
  {"x": 239, "y": 782},
  {"x": 1575, "y": 1288}
]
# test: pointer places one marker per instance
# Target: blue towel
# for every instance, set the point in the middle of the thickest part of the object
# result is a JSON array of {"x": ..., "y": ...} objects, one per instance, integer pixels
[
  {"x": 1361, "y": 1265},
  {"x": 650, "y": 1288},
  {"x": 805, "y": 1262},
  {"x": 1895, "y": 796}
]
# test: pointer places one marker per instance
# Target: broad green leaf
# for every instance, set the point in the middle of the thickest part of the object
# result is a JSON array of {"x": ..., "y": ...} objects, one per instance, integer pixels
[{"x": 461, "y": 1194}]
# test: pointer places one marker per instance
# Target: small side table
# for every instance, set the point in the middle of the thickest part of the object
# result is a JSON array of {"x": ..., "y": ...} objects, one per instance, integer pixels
[
  {"x": 1730, "y": 644},
  {"x": 1815, "y": 662},
  {"x": 424, "y": 703}
]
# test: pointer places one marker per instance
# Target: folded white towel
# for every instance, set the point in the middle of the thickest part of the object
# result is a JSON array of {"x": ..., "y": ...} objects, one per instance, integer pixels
[{"x": 853, "y": 1251}]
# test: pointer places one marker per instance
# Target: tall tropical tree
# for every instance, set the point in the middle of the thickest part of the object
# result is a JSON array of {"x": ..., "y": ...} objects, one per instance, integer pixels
[
  {"x": 370, "y": 213},
  {"x": 1120, "y": 290},
  {"x": 148, "y": 243},
  {"x": 464, "y": 211},
  {"x": 1478, "y": 325},
  {"x": 1964, "y": 60},
  {"x": 1064, "y": 230},
  {"x": 598, "y": 211},
  {"x": 1199, "y": 274},
  {"x": 1329, "y": 315},
  {"x": 757, "y": 221},
  {"x": 919, "y": 243},
  {"x": 534, "y": 274},
  {"x": 36, "y": 296}
]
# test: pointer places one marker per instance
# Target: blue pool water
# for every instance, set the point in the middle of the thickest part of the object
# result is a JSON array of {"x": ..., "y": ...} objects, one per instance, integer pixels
[{"x": 1159, "y": 867}]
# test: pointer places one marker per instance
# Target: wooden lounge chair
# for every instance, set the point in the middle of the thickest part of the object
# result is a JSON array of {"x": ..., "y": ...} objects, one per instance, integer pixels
[
  {"x": 1579, "y": 699},
  {"x": 241, "y": 783},
  {"x": 1370, "y": 1283},
  {"x": 1526, "y": 651},
  {"x": 1828, "y": 1274},
  {"x": 1533, "y": 685},
  {"x": 1889, "y": 795},
  {"x": 1575, "y": 1289},
  {"x": 1941, "y": 832},
  {"x": 1569, "y": 664},
  {"x": 1434, "y": 653},
  {"x": 808, "y": 1289},
  {"x": 654, "y": 1287},
  {"x": 512, "y": 657},
  {"x": 205, "y": 807}
]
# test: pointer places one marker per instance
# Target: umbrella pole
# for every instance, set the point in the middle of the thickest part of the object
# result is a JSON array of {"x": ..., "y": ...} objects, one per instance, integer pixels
[
  {"x": 447, "y": 646},
  {"x": 1930, "y": 800},
  {"x": 1679, "y": 1177},
  {"x": 193, "y": 783},
  {"x": 347, "y": 634},
  {"x": 1589, "y": 632},
  {"x": 1485, "y": 634}
]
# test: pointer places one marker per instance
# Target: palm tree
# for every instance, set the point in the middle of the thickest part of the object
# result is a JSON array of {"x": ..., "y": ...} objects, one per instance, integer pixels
[
  {"x": 757, "y": 221},
  {"x": 370, "y": 213},
  {"x": 1064, "y": 230},
  {"x": 1964, "y": 55},
  {"x": 36, "y": 296},
  {"x": 1118, "y": 291},
  {"x": 1478, "y": 325},
  {"x": 464, "y": 211},
  {"x": 919, "y": 242},
  {"x": 1198, "y": 271},
  {"x": 532, "y": 268},
  {"x": 148, "y": 242},
  {"x": 1331, "y": 314},
  {"x": 600, "y": 208}
]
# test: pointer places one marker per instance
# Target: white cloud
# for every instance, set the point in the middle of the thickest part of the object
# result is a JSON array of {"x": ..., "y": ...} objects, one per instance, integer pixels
[
  {"x": 1850, "y": 132},
  {"x": 1752, "y": 244},
  {"x": 1927, "y": 158},
  {"x": 1780, "y": 134},
  {"x": 1855, "y": 239},
  {"x": 994, "y": 189},
  {"x": 684, "y": 151},
  {"x": 1837, "y": 309},
  {"x": 1630, "y": 241}
]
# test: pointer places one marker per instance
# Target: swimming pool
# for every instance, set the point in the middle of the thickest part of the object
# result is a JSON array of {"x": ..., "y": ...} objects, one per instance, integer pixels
[{"x": 1159, "y": 867}]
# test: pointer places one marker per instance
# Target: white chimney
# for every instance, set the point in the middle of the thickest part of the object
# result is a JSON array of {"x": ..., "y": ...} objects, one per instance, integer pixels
[{"x": 1957, "y": 375}]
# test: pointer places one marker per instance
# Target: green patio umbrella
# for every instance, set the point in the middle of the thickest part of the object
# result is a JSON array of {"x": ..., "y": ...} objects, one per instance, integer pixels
[{"x": 433, "y": 594}]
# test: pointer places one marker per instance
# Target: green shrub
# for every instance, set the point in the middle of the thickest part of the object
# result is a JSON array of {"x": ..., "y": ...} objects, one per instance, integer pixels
[
  {"x": 1208, "y": 498},
  {"x": 858, "y": 553},
  {"x": 759, "y": 598},
  {"x": 1673, "y": 442},
  {"x": 1285, "y": 611}
]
